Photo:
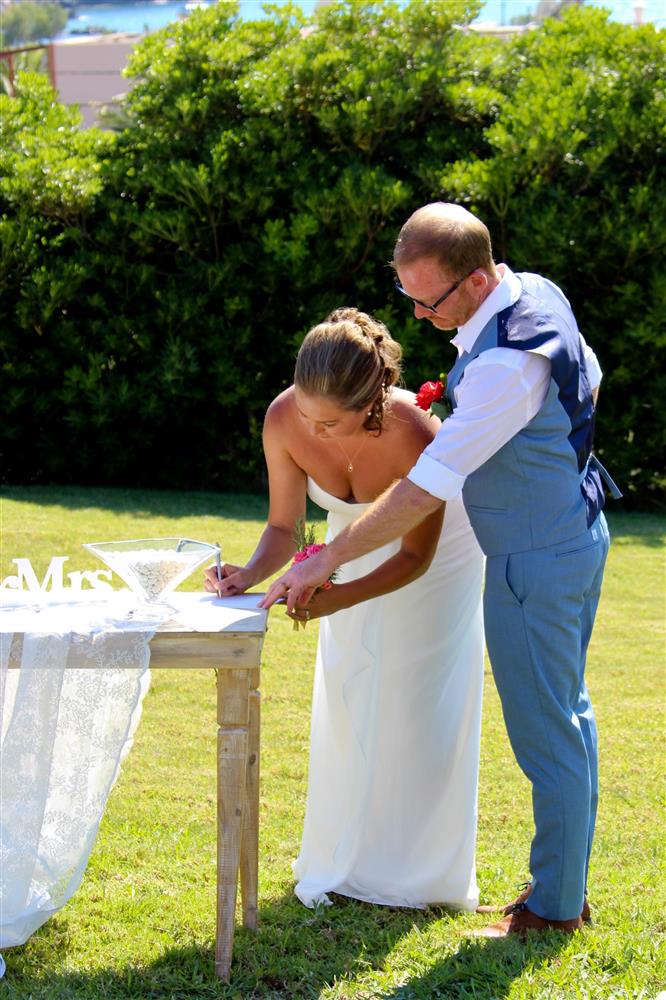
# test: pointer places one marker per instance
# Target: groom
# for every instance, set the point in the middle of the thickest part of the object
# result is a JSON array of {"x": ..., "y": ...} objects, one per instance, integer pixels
[{"x": 518, "y": 446}]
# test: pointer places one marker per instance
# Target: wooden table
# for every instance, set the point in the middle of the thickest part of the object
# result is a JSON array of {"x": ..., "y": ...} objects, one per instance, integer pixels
[{"x": 233, "y": 649}]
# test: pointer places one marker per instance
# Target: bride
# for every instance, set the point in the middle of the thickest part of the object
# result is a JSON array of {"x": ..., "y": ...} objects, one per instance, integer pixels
[{"x": 391, "y": 803}]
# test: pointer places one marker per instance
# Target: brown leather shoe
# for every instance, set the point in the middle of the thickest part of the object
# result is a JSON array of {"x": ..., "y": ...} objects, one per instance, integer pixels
[
  {"x": 522, "y": 921},
  {"x": 585, "y": 915},
  {"x": 520, "y": 898}
]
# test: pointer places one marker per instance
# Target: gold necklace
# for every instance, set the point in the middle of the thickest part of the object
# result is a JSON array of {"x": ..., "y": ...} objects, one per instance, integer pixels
[{"x": 350, "y": 461}]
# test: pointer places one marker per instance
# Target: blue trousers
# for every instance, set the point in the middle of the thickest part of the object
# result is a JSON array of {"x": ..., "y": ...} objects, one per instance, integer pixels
[{"x": 539, "y": 611}]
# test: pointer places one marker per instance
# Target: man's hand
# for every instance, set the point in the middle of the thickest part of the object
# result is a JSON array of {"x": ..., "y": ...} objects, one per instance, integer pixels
[{"x": 299, "y": 583}]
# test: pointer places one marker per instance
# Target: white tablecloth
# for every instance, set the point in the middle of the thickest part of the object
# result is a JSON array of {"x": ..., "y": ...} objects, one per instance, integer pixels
[{"x": 90, "y": 612}]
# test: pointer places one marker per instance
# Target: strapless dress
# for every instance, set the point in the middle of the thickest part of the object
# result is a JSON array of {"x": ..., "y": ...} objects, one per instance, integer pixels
[{"x": 394, "y": 750}]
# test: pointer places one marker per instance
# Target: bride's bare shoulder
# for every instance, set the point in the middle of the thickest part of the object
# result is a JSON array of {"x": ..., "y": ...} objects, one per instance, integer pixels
[
  {"x": 281, "y": 423},
  {"x": 281, "y": 412},
  {"x": 408, "y": 418},
  {"x": 402, "y": 397}
]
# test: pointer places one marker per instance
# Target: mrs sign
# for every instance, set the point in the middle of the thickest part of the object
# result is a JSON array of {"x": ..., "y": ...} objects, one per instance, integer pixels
[{"x": 25, "y": 577}]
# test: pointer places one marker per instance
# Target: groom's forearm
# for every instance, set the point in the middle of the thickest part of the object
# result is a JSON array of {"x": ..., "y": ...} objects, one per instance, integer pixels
[{"x": 399, "y": 509}]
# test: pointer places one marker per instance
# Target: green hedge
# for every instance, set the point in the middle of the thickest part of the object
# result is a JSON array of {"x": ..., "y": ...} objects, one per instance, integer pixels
[{"x": 155, "y": 283}]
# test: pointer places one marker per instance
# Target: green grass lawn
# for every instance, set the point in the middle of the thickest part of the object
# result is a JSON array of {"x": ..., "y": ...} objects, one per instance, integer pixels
[{"x": 142, "y": 925}]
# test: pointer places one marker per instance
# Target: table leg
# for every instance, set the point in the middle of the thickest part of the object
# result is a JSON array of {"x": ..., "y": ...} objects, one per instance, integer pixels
[
  {"x": 249, "y": 860},
  {"x": 232, "y": 754}
]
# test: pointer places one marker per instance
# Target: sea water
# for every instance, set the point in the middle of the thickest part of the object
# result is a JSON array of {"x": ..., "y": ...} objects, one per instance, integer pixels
[
  {"x": 142, "y": 16},
  {"x": 149, "y": 15}
]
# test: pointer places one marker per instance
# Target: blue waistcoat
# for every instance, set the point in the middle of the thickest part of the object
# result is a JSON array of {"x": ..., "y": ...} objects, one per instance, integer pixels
[{"x": 540, "y": 488}]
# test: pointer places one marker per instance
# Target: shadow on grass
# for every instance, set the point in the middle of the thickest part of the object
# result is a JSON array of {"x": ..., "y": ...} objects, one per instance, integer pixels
[
  {"x": 484, "y": 969},
  {"x": 650, "y": 528},
  {"x": 143, "y": 503},
  {"x": 149, "y": 503},
  {"x": 296, "y": 954}
]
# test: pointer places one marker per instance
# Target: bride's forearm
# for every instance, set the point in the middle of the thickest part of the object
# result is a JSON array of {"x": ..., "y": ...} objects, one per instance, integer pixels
[
  {"x": 398, "y": 571},
  {"x": 275, "y": 548}
]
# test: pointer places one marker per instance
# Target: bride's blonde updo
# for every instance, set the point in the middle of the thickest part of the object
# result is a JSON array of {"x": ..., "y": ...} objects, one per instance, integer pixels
[{"x": 352, "y": 359}]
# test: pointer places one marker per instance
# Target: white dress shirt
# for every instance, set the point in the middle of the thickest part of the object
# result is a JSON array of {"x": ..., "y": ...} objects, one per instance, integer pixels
[{"x": 503, "y": 389}]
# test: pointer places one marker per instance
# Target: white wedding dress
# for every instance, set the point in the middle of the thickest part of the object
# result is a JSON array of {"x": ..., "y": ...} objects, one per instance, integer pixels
[{"x": 391, "y": 805}]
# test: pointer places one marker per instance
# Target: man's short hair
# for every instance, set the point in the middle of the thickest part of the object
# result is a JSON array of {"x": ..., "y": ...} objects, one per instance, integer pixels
[{"x": 448, "y": 233}]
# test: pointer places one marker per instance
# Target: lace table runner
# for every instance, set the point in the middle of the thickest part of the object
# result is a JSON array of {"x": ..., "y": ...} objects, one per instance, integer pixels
[
  {"x": 67, "y": 721},
  {"x": 63, "y": 736}
]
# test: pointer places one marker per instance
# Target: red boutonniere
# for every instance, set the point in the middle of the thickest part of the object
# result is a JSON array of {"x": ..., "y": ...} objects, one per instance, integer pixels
[
  {"x": 432, "y": 398},
  {"x": 304, "y": 536}
]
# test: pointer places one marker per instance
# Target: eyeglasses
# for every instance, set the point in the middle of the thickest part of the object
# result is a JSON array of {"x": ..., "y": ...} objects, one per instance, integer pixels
[{"x": 435, "y": 306}]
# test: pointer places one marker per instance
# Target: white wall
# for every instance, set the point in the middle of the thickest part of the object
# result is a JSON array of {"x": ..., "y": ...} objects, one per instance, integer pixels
[{"x": 88, "y": 71}]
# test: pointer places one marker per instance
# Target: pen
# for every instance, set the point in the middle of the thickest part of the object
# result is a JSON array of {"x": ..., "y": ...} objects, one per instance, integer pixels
[{"x": 218, "y": 569}]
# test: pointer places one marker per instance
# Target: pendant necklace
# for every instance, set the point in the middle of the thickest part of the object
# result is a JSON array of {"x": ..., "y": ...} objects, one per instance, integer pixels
[{"x": 350, "y": 461}]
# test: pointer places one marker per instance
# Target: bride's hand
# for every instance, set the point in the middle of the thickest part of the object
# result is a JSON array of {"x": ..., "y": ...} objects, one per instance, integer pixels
[
  {"x": 324, "y": 602},
  {"x": 235, "y": 580}
]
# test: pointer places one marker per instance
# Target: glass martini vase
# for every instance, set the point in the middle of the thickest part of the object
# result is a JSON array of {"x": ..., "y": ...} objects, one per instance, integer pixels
[{"x": 153, "y": 567}]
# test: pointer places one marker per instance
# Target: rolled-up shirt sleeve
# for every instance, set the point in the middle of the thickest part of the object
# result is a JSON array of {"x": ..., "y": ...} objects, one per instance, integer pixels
[{"x": 435, "y": 478}]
